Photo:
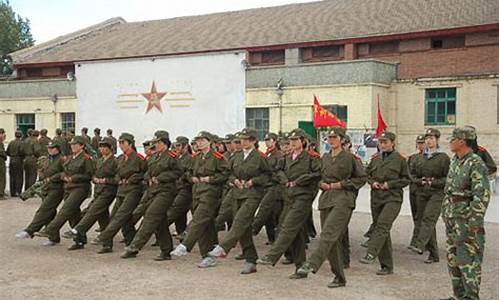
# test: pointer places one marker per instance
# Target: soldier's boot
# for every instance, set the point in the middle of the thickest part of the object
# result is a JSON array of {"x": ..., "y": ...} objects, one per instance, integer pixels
[
  {"x": 105, "y": 249},
  {"x": 416, "y": 250},
  {"x": 207, "y": 262},
  {"x": 431, "y": 260},
  {"x": 305, "y": 269},
  {"x": 265, "y": 261},
  {"x": 41, "y": 234},
  {"x": 248, "y": 268},
  {"x": 336, "y": 283},
  {"x": 384, "y": 271},
  {"x": 76, "y": 246},
  {"x": 297, "y": 276},
  {"x": 129, "y": 253},
  {"x": 180, "y": 250},
  {"x": 164, "y": 255},
  {"x": 368, "y": 259}
]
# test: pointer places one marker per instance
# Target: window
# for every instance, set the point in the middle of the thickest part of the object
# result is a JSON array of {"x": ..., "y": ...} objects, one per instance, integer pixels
[
  {"x": 440, "y": 106},
  {"x": 339, "y": 110},
  {"x": 258, "y": 118},
  {"x": 448, "y": 42},
  {"x": 383, "y": 48},
  {"x": 323, "y": 53},
  {"x": 68, "y": 121},
  {"x": 25, "y": 122},
  {"x": 274, "y": 57}
]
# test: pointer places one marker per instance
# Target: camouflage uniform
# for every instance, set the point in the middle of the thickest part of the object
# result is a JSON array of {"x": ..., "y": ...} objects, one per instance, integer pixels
[{"x": 467, "y": 194}]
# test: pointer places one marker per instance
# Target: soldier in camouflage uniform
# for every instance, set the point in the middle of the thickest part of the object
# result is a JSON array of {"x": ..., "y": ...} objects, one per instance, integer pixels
[{"x": 467, "y": 194}]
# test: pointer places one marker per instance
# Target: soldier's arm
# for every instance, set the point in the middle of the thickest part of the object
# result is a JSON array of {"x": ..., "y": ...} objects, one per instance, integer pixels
[
  {"x": 404, "y": 177},
  {"x": 221, "y": 173},
  {"x": 87, "y": 173},
  {"x": 314, "y": 173},
  {"x": 439, "y": 182},
  {"x": 231, "y": 177},
  {"x": 490, "y": 163},
  {"x": 113, "y": 180},
  {"x": 265, "y": 174},
  {"x": 480, "y": 187},
  {"x": 370, "y": 178},
  {"x": 358, "y": 177},
  {"x": 412, "y": 169},
  {"x": 172, "y": 174}
]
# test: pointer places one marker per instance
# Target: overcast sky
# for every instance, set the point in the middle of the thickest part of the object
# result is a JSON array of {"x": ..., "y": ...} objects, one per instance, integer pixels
[{"x": 52, "y": 18}]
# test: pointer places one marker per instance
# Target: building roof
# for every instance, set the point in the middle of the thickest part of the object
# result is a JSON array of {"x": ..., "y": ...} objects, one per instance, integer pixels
[{"x": 288, "y": 24}]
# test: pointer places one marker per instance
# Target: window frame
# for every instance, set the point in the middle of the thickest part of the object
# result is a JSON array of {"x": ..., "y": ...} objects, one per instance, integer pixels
[
  {"x": 437, "y": 100},
  {"x": 64, "y": 127},
  {"x": 250, "y": 121}
]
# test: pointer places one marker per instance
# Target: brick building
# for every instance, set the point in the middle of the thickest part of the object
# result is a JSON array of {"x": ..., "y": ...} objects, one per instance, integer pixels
[{"x": 428, "y": 63}]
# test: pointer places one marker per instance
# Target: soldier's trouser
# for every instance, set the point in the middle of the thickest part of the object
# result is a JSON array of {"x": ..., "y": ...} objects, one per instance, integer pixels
[
  {"x": 292, "y": 235},
  {"x": 29, "y": 172},
  {"x": 97, "y": 210},
  {"x": 121, "y": 218},
  {"x": 266, "y": 208},
  {"x": 16, "y": 170},
  {"x": 310, "y": 228},
  {"x": 465, "y": 255},
  {"x": 70, "y": 211},
  {"x": 226, "y": 209},
  {"x": 3, "y": 174},
  {"x": 141, "y": 208},
  {"x": 102, "y": 219},
  {"x": 380, "y": 244},
  {"x": 414, "y": 211},
  {"x": 47, "y": 211},
  {"x": 334, "y": 222},
  {"x": 241, "y": 230},
  {"x": 202, "y": 228},
  {"x": 429, "y": 209},
  {"x": 155, "y": 219},
  {"x": 182, "y": 204}
]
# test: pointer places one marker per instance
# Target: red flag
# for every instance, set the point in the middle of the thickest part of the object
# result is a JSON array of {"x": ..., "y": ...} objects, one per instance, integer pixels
[
  {"x": 381, "y": 125},
  {"x": 324, "y": 118}
]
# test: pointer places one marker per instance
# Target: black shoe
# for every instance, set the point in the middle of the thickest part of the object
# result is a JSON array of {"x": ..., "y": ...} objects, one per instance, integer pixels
[
  {"x": 368, "y": 259},
  {"x": 76, "y": 246},
  {"x": 105, "y": 249},
  {"x": 336, "y": 283},
  {"x": 384, "y": 271},
  {"x": 297, "y": 276},
  {"x": 164, "y": 255},
  {"x": 416, "y": 250}
]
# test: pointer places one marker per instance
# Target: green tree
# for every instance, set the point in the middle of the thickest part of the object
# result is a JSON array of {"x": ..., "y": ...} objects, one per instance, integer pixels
[{"x": 15, "y": 34}]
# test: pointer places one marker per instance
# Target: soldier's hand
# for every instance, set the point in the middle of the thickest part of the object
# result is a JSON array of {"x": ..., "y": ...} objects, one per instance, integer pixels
[
  {"x": 249, "y": 184},
  {"x": 385, "y": 186},
  {"x": 336, "y": 186},
  {"x": 195, "y": 179},
  {"x": 324, "y": 186},
  {"x": 376, "y": 185},
  {"x": 205, "y": 179}
]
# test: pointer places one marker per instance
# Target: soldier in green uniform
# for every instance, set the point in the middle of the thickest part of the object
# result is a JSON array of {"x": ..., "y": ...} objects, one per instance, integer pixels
[
  {"x": 420, "y": 146},
  {"x": 32, "y": 151},
  {"x": 3, "y": 158},
  {"x": 300, "y": 176},
  {"x": 61, "y": 141},
  {"x": 95, "y": 140},
  {"x": 105, "y": 187},
  {"x": 85, "y": 135},
  {"x": 484, "y": 154},
  {"x": 109, "y": 134},
  {"x": 467, "y": 195},
  {"x": 44, "y": 140},
  {"x": 387, "y": 176},
  {"x": 428, "y": 171},
  {"x": 15, "y": 151},
  {"x": 208, "y": 175},
  {"x": 272, "y": 203},
  {"x": 341, "y": 177},
  {"x": 161, "y": 177},
  {"x": 52, "y": 189},
  {"x": 130, "y": 176},
  {"x": 250, "y": 174},
  {"x": 77, "y": 174}
]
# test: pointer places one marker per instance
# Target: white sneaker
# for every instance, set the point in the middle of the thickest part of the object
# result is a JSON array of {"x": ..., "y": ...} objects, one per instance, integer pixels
[
  {"x": 218, "y": 252},
  {"x": 23, "y": 235},
  {"x": 207, "y": 262},
  {"x": 49, "y": 243},
  {"x": 180, "y": 250}
]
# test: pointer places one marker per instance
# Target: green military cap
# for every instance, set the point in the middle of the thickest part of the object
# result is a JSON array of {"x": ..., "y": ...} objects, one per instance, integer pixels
[
  {"x": 58, "y": 131},
  {"x": 432, "y": 132},
  {"x": 463, "y": 133},
  {"x": 336, "y": 131},
  {"x": 18, "y": 133},
  {"x": 297, "y": 133},
  {"x": 271, "y": 136},
  {"x": 248, "y": 133},
  {"x": 126, "y": 137},
  {"x": 387, "y": 135},
  {"x": 420, "y": 139},
  {"x": 146, "y": 143},
  {"x": 235, "y": 137},
  {"x": 347, "y": 139},
  {"x": 54, "y": 144},
  {"x": 228, "y": 138},
  {"x": 203, "y": 135},
  {"x": 43, "y": 131},
  {"x": 78, "y": 140},
  {"x": 106, "y": 142},
  {"x": 2, "y": 130},
  {"x": 85, "y": 129},
  {"x": 181, "y": 140},
  {"x": 35, "y": 133},
  {"x": 217, "y": 139},
  {"x": 162, "y": 134}
]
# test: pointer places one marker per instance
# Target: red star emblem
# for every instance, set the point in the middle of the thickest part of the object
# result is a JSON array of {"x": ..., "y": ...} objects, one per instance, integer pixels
[{"x": 153, "y": 98}]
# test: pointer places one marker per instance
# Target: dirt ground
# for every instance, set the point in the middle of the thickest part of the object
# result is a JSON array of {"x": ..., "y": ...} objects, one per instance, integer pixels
[{"x": 30, "y": 271}]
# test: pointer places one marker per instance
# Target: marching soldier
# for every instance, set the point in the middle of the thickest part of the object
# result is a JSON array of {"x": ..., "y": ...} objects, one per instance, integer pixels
[
  {"x": 250, "y": 174},
  {"x": 300, "y": 176},
  {"x": 341, "y": 178},
  {"x": 429, "y": 171},
  {"x": 32, "y": 151},
  {"x": 130, "y": 176},
  {"x": 105, "y": 187},
  {"x": 77, "y": 174},
  {"x": 387, "y": 176},
  {"x": 209, "y": 173},
  {"x": 420, "y": 146},
  {"x": 52, "y": 189},
  {"x": 109, "y": 133},
  {"x": 15, "y": 151},
  {"x": 467, "y": 194},
  {"x": 3, "y": 158}
]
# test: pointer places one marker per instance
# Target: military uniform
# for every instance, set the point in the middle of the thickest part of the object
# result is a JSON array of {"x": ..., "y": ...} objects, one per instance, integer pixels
[
  {"x": 44, "y": 141},
  {"x": 62, "y": 142},
  {"x": 205, "y": 197},
  {"x": 16, "y": 159},
  {"x": 130, "y": 175},
  {"x": 3, "y": 158},
  {"x": 413, "y": 189},
  {"x": 79, "y": 170},
  {"x": 428, "y": 172},
  {"x": 390, "y": 168},
  {"x": 467, "y": 195},
  {"x": 32, "y": 150},
  {"x": 301, "y": 174}
]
